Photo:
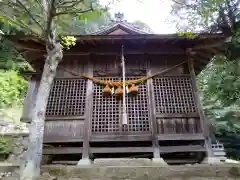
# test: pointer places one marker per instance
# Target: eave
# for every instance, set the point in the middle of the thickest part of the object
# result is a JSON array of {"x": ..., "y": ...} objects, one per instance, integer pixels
[{"x": 204, "y": 46}]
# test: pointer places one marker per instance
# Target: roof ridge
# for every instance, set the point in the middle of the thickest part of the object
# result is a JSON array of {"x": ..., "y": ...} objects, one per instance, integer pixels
[{"x": 132, "y": 27}]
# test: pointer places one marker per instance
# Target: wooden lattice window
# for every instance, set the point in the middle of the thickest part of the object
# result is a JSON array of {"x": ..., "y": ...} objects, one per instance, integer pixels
[
  {"x": 173, "y": 95},
  {"x": 67, "y": 98},
  {"x": 106, "y": 115}
]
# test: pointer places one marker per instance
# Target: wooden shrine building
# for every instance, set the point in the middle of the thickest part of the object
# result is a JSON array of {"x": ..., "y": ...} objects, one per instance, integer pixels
[{"x": 164, "y": 119}]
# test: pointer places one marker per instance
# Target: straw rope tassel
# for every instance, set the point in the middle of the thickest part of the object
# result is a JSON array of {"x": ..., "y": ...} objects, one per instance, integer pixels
[
  {"x": 107, "y": 92},
  {"x": 133, "y": 90}
]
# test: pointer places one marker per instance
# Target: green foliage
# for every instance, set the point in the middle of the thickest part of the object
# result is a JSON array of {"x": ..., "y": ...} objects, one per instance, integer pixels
[
  {"x": 89, "y": 22},
  {"x": 220, "y": 82},
  {"x": 188, "y": 35},
  {"x": 233, "y": 46},
  {"x": 68, "y": 41},
  {"x": 10, "y": 58},
  {"x": 32, "y": 17},
  {"x": 5, "y": 145},
  {"x": 219, "y": 85},
  {"x": 12, "y": 88},
  {"x": 230, "y": 137}
]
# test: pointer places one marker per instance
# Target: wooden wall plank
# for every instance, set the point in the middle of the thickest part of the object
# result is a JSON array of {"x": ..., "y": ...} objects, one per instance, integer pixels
[{"x": 63, "y": 130}]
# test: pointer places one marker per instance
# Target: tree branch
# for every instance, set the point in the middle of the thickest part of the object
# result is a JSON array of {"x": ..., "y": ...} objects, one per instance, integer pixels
[
  {"x": 184, "y": 4},
  {"x": 50, "y": 31},
  {"x": 68, "y": 6},
  {"x": 22, "y": 25},
  {"x": 30, "y": 14},
  {"x": 72, "y": 11},
  {"x": 71, "y": 4}
]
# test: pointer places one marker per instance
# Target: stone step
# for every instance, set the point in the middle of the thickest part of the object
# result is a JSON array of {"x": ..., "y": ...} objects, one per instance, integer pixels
[
  {"x": 187, "y": 172},
  {"x": 8, "y": 171}
]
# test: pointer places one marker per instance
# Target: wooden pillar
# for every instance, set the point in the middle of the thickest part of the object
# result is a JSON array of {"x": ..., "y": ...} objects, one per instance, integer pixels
[
  {"x": 152, "y": 112},
  {"x": 204, "y": 124},
  {"x": 88, "y": 113},
  {"x": 30, "y": 99}
]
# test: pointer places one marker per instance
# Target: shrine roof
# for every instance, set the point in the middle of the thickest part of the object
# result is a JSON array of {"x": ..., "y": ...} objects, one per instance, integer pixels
[
  {"x": 119, "y": 26},
  {"x": 109, "y": 39}
]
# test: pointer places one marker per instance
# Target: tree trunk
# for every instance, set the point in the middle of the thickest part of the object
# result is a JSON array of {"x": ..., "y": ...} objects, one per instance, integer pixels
[{"x": 30, "y": 170}]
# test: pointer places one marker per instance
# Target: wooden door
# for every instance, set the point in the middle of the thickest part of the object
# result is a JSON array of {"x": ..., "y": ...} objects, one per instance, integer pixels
[{"x": 107, "y": 112}]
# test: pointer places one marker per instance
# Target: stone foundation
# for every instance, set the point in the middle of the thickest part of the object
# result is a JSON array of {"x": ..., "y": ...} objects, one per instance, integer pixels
[
  {"x": 194, "y": 172},
  {"x": 8, "y": 171},
  {"x": 17, "y": 135}
]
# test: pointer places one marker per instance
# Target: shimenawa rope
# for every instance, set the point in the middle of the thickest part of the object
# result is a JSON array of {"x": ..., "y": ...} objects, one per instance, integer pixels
[{"x": 119, "y": 83}]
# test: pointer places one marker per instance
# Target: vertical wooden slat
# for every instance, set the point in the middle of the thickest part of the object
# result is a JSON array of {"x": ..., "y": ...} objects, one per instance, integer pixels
[
  {"x": 88, "y": 112},
  {"x": 152, "y": 112},
  {"x": 203, "y": 120}
]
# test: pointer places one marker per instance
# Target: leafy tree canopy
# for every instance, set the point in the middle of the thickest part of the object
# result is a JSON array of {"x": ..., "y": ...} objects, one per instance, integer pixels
[{"x": 219, "y": 82}]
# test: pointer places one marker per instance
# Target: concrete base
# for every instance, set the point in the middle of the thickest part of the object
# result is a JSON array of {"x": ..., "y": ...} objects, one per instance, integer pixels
[
  {"x": 211, "y": 160},
  {"x": 194, "y": 172},
  {"x": 122, "y": 162},
  {"x": 84, "y": 162},
  {"x": 159, "y": 162}
]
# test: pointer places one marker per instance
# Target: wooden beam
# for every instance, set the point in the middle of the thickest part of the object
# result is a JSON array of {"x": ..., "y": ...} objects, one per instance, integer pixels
[
  {"x": 163, "y": 149},
  {"x": 56, "y": 118},
  {"x": 62, "y": 150},
  {"x": 62, "y": 140},
  {"x": 105, "y": 138},
  {"x": 189, "y": 148},
  {"x": 196, "y": 97},
  {"x": 102, "y": 53},
  {"x": 200, "y": 60},
  {"x": 129, "y": 49},
  {"x": 88, "y": 112},
  {"x": 152, "y": 113},
  {"x": 181, "y": 161},
  {"x": 204, "y": 123},
  {"x": 121, "y": 150},
  {"x": 170, "y": 115},
  {"x": 205, "y": 54},
  {"x": 175, "y": 137},
  {"x": 108, "y": 48},
  {"x": 65, "y": 162},
  {"x": 79, "y": 150},
  {"x": 207, "y": 46}
]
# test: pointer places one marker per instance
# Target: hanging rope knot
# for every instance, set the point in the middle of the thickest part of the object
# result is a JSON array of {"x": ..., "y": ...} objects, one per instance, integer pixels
[
  {"x": 119, "y": 93},
  {"x": 107, "y": 91},
  {"x": 133, "y": 90}
]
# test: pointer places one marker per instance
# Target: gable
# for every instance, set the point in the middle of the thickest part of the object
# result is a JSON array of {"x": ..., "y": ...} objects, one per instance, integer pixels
[
  {"x": 120, "y": 28},
  {"x": 118, "y": 32}
]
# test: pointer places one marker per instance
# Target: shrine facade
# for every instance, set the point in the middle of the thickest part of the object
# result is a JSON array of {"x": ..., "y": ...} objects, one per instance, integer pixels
[{"x": 164, "y": 117}]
